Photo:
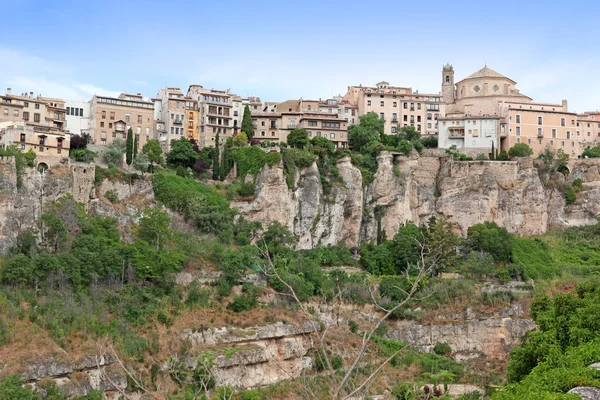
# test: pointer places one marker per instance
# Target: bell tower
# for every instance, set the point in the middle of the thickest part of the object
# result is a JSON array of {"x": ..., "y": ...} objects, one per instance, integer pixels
[{"x": 448, "y": 84}]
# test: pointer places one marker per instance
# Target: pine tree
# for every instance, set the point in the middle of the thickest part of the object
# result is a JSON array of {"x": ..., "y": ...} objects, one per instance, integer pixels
[
  {"x": 247, "y": 127},
  {"x": 129, "y": 147},
  {"x": 136, "y": 144},
  {"x": 216, "y": 162},
  {"x": 493, "y": 157}
]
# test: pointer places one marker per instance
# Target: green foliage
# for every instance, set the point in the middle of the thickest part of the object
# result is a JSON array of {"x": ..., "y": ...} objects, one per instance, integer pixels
[
  {"x": 112, "y": 196},
  {"x": 555, "y": 358},
  {"x": 520, "y": 150},
  {"x": 294, "y": 158},
  {"x": 250, "y": 160},
  {"x": 216, "y": 162},
  {"x": 238, "y": 190},
  {"x": 570, "y": 196},
  {"x": 154, "y": 152},
  {"x": 129, "y": 147},
  {"x": 153, "y": 227},
  {"x": 502, "y": 156},
  {"x": 490, "y": 238},
  {"x": 114, "y": 152},
  {"x": 591, "y": 152},
  {"x": 430, "y": 142},
  {"x": 141, "y": 162},
  {"x": 22, "y": 160},
  {"x": 298, "y": 138},
  {"x": 409, "y": 133},
  {"x": 442, "y": 349},
  {"x": 322, "y": 146},
  {"x": 208, "y": 209},
  {"x": 11, "y": 389},
  {"x": 245, "y": 231},
  {"x": 278, "y": 238},
  {"x": 247, "y": 300},
  {"x": 247, "y": 127},
  {"x": 240, "y": 140},
  {"x": 82, "y": 155},
  {"x": 367, "y": 132},
  {"x": 367, "y": 163},
  {"x": 182, "y": 153},
  {"x": 332, "y": 256}
]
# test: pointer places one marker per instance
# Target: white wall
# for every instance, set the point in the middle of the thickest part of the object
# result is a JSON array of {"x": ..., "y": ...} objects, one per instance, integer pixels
[
  {"x": 76, "y": 122},
  {"x": 479, "y": 133}
]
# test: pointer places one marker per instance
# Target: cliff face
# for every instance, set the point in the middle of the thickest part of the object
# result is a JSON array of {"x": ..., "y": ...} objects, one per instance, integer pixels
[{"x": 416, "y": 188}]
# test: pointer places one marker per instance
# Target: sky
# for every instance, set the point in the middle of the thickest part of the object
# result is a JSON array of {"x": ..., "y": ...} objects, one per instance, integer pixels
[{"x": 281, "y": 50}]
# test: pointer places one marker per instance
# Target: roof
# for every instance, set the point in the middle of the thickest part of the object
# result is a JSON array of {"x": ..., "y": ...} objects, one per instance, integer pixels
[{"x": 486, "y": 72}]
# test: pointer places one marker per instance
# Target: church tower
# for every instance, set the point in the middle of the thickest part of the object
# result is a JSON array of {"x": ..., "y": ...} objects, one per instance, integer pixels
[{"x": 448, "y": 84}]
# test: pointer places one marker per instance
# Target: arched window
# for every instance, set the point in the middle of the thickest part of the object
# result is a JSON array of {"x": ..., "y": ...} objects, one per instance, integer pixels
[{"x": 447, "y": 78}]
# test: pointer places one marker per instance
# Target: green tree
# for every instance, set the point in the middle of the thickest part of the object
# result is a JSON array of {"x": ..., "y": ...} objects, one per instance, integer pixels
[
  {"x": 136, "y": 144},
  {"x": 298, "y": 138},
  {"x": 216, "y": 165},
  {"x": 247, "y": 127},
  {"x": 368, "y": 131},
  {"x": 278, "y": 237},
  {"x": 490, "y": 238},
  {"x": 322, "y": 146},
  {"x": 240, "y": 140},
  {"x": 11, "y": 388},
  {"x": 114, "y": 152},
  {"x": 129, "y": 147},
  {"x": 18, "y": 270},
  {"x": 140, "y": 162},
  {"x": 154, "y": 152},
  {"x": 182, "y": 153},
  {"x": 153, "y": 227},
  {"x": 520, "y": 150},
  {"x": 409, "y": 133},
  {"x": 591, "y": 152}
]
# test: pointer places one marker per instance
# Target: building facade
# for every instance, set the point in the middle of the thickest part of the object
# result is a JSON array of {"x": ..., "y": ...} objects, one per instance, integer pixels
[
  {"x": 170, "y": 107},
  {"x": 215, "y": 114},
  {"x": 489, "y": 96},
  {"x": 398, "y": 106},
  {"x": 50, "y": 145},
  {"x": 112, "y": 117},
  {"x": 77, "y": 117}
]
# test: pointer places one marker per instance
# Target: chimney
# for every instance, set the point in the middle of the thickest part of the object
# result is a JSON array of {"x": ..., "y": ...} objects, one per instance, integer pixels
[
  {"x": 30, "y": 95},
  {"x": 8, "y": 91},
  {"x": 565, "y": 105}
]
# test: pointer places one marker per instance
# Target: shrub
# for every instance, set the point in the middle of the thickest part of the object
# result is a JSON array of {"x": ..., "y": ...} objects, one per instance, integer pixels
[
  {"x": 247, "y": 300},
  {"x": 570, "y": 196},
  {"x": 442, "y": 349},
  {"x": 353, "y": 326},
  {"x": 490, "y": 238},
  {"x": 112, "y": 196},
  {"x": 520, "y": 150}
]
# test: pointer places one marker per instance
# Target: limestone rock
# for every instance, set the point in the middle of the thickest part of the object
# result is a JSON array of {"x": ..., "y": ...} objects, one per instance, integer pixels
[{"x": 586, "y": 393}]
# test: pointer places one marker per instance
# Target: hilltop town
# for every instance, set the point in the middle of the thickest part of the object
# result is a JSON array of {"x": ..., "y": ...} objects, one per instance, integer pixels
[{"x": 479, "y": 114}]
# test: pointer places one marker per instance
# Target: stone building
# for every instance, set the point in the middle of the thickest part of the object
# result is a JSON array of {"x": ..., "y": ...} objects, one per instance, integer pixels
[
  {"x": 50, "y": 145},
  {"x": 486, "y": 107},
  {"x": 336, "y": 105},
  {"x": 398, "y": 106},
  {"x": 111, "y": 118}
]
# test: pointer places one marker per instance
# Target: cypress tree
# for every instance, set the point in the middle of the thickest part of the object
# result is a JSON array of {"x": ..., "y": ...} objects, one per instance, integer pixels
[
  {"x": 129, "y": 147},
  {"x": 247, "y": 127},
  {"x": 136, "y": 144},
  {"x": 216, "y": 162}
]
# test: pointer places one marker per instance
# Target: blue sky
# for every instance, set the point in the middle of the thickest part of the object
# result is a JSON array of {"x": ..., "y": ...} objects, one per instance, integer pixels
[{"x": 287, "y": 49}]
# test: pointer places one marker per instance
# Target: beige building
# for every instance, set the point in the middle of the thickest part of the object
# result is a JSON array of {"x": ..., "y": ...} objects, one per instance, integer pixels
[
  {"x": 111, "y": 118},
  {"x": 35, "y": 110},
  {"x": 489, "y": 96},
  {"x": 397, "y": 106},
  {"x": 215, "y": 114},
  {"x": 339, "y": 107},
  {"x": 275, "y": 126},
  {"x": 170, "y": 108},
  {"x": 50, "y": 145}
]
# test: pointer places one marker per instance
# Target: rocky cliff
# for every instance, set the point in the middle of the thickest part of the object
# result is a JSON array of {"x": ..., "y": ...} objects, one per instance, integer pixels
[{"x": 416, "y": 188}]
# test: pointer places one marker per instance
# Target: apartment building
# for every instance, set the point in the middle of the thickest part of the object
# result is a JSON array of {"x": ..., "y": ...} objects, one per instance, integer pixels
[
  {"x": 50, "y": 145},
  {"x": 77, "y": 117},
  {"x": 336, "y": 105},
  {"x": 191, "y": 118},
  {"x": 215, "y": 114},
  {"x": 170, "y": 108},
  {"x": 488, "y": 95},
  {"x": 276, "y": 126},
  {"x": 588, "y": 129},
  {"x": 112, "y": 117},
  {"x": 397, "y": 106}
]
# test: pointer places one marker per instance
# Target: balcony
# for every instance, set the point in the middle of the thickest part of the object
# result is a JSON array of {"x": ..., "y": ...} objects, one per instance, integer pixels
[
  {"x": 456, "y": 133},
  {"x": 178, "y": 121}
]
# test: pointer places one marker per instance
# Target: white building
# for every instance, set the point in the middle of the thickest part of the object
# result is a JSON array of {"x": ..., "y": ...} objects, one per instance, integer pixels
[
  {"x": 468, "y": 132},
  {"x": 77, "y": 117}
]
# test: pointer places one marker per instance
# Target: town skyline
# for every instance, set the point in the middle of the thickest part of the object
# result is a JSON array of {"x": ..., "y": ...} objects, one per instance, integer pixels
[{"x": 279, "y": 53}]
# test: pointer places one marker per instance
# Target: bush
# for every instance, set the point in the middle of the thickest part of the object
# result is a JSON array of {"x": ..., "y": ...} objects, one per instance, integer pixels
[
  {"x": 112, "y": 196},
  {"x": 250, "y": 160},
  {"x": 520, "y": 150},
  {"x": 430, "y": 142},
  {"x": 490, "y": 238},
  {"x": 570, "y": 196},
  {"x": 247, "y": 300},
  {"x": 442, "y": 349}
]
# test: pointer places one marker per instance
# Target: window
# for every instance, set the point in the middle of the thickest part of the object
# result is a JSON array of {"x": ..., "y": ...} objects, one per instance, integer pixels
[
  {"x": 309, "y": 107},
  {"x": 369, "y": 102},
  {"x": 568, "y": 134},
  {"x": 126, "y": 117},
  {"x": 15, "y": 113},
  {"x": 518, "y": 130},
  {"x": 332, "y": 135},
  {"x": 540, "y": 132},
  {"x": 76, "y": 112},
  {"x": 394, "y": 117},
  {"x": 112, "y": 115},
  {"x": 26, "y": 104},
  {"x": 101, "y": 124},
  {"x": 26, "y": 115},
  {"x": 381, "y": 116},
  {"x": 540, "y": 121},
  {"x": 103, "y": 114},
  {"x": 81, "y": 112},
  {"x": 405, "y": 118},
  {"x": 395, "y": 104},
  {"x": 139, "y": 119},
  {"x": 382, "y": 103},
  {"x": 412, "y": 106},
  {"x": 312, "y": 123},
  {"x": 419, "y": 128},
  {"x": 518, "y": 140},
  {"x": 393, "y": 129},
  {"x": 554, "y": 133},
  {"x": 6, "y": 111},
  {"x": 418, "y": 106},
  {"x": 405, "y": 105},
  {"x": 528, "y": 141},
  {"x": 37, "y": 106},
  {"x": 262, "y": 123},
  {"x": 22, "y": 137},
  {"x": 139, "y": 130},
  {"x": 518, "y": 118},
  {"x": 36, "y": 117},
  {"x": 418, "y": 118},
  {"x": 429, "y": 116}
]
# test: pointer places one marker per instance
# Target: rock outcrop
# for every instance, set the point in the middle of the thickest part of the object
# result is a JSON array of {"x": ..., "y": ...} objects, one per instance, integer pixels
[
  {"x": 416, "y": 188},
  {"x": 257, "y": 356},
  {"x": 469, "y": 335}
]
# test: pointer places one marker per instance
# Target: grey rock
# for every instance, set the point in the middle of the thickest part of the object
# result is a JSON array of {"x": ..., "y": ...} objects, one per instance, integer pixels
[{"x": 586, "y": 393}]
